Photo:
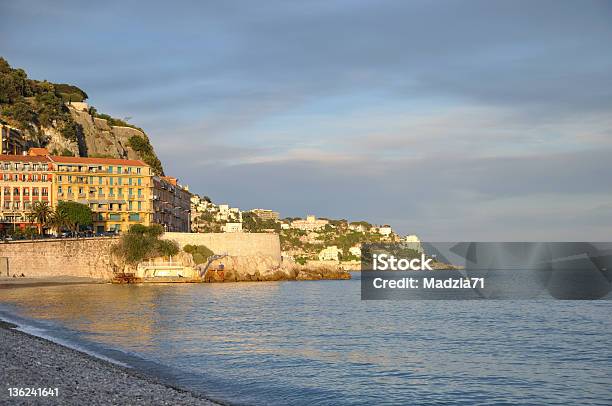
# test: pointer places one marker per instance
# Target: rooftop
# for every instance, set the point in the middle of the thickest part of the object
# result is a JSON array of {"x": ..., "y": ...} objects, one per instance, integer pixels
[
  {"x": 102, "y": 161},
  {"x": 23, "y": 158}
]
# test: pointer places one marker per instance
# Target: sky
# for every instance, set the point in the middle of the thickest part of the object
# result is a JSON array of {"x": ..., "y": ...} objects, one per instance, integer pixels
[{"x": 454, "y": 120}]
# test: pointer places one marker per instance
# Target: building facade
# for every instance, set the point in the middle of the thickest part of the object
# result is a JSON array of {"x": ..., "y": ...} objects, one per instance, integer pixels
[
  {"x": 23, "y": 181},
  {"x": 118, "y": 191},
  {"x": 266, "y": 214},
  {"x": 232, "y": 228},
  {"x": 331, "y": 253},
  {"x": 13, "y": 142},
  {"x": 310, "y": 224},
  {"x": 171, "y": 204}
]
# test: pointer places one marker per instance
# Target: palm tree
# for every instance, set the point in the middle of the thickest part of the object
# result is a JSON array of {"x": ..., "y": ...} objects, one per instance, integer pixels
[
  {"x": 40, "y": 214},
  {"x": 59, "y": 219}
]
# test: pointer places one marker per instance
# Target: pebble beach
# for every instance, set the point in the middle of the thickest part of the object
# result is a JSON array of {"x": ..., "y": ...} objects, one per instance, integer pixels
[{"x": 27, "y": 361}]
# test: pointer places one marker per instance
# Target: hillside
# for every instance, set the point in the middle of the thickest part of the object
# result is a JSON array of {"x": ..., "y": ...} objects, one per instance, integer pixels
[{"x": 54, "y": 115}]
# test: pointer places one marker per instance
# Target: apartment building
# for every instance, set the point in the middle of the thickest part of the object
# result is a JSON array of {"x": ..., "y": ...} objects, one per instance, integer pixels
[
  {"x": 266, "y": 214},
  {"x": 13, "y": 142},
  {"x": 310, "y": 224},
  {"x": 171, "y": 204},
  {"x": 23, "y": 181},
  {"x": 118, "y": 191},
  {"x": 331, "y": 253}
]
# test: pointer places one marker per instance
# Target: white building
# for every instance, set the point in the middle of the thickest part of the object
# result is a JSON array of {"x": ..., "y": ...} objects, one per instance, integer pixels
[
  {"x": 385, "y": 230},
  {"x": 228, "y": 214},
  {"x": 310, "y": 224},
  {"x": 232, "y": 228},
  {"x": 357, "y": 227},
  {"x": 412, "y": 241},
  {"x": 331, "y": 253},
  {"x": 355, "y": 251}
]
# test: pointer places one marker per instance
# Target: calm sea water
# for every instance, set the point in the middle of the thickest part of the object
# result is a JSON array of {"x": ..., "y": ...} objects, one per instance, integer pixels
[{"x": 317, "y": 343}]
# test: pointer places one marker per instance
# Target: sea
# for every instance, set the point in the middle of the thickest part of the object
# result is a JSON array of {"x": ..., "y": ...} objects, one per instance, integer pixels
[{"x": 318, "y": 343}]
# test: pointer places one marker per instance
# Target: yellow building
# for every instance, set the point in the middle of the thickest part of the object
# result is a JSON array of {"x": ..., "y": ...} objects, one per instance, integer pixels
[{"x": 118, "y": 191}]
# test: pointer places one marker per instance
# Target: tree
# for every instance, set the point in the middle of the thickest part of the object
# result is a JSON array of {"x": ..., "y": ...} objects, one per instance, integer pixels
[
  {"x": 40, "y": 214},
  {"x": 142, "y": 242},
  {"x": 78, "y": 214},
  {"x": 59, "y": 219}
]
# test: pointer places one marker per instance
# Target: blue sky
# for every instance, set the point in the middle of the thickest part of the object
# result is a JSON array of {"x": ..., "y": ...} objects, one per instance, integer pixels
[{"x": 455, "y": 120}]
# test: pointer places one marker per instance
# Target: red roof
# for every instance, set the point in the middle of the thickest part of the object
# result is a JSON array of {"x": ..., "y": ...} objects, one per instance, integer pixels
[
  {"x": 102, "y": 161},
  {"x": 23, "y": 158},
  {"x": 171, "y": 180},
  {"x": 38, "y": 151}
]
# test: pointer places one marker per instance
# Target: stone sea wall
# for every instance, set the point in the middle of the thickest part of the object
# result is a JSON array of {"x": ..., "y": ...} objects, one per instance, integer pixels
[
  {"x": 233, "y": 244},
  {"x": 91, "y": 257},
  {"x": 250, "y": 257},
  {"x": 51, "y": 258}
]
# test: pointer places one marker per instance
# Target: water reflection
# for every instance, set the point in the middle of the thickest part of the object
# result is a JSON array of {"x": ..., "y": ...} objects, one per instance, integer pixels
[{"x": 288, "y": 343}]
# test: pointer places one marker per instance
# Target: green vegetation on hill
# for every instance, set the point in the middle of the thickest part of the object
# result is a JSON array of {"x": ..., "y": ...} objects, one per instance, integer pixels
[
  {"x": 144, "y": 148},
  {"x": 32, "y": 105},
  {"x": 254, "y": 224}
]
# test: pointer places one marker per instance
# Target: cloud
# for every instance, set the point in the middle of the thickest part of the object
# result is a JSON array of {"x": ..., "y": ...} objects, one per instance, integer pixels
[{"x": 485, "y": 119}]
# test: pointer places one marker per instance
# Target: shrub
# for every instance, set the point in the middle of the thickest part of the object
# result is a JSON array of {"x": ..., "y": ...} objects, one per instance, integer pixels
[
  {"x": 143, "y": 242},
  {"x": 200, "y": 253}
]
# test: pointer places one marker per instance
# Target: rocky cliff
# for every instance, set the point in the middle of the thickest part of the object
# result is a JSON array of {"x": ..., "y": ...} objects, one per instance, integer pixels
[{"x": 55, "y": 116}]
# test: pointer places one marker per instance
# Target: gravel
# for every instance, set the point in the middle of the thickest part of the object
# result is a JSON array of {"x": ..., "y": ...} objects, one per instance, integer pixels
[{"x": 32, "y": 362}]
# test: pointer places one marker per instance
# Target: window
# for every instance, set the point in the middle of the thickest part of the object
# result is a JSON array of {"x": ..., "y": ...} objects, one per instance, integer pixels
[
  {"x": 139, "y": 192},
  {"x": 139, "y": 206},
  {"x": 110, "y": 169},
  {"x": 35, "y": 191},
  {"x": 16, "y": 191},
  {"x": 118, "y": 169},
  {"x": 45, "y": 191},
  {"x": 134, "y": 217},
  {"x": 111, "y": 192},
  {"x": 119, "y": 181},
  {"x": 120, "y": 191},
  {"x": 139, "y": 182},
  {"x": 114, "y": 217},
  {"x": 110, "y": 180},
  {"x": 130, "y": 206},
  {"x": 138, "y": 171}
]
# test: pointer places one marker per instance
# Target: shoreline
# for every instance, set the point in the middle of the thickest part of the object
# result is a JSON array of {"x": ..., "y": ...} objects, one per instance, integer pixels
[
  {"x": 28, "y": 282},
  {"x": 30, "y": 361}
]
